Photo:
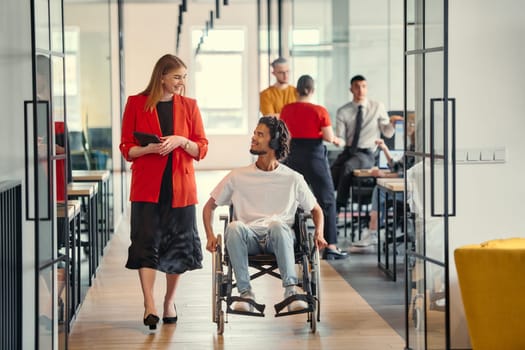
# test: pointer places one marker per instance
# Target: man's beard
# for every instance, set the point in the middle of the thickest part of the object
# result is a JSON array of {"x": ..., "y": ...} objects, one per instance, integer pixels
[{"x": 257, "y": 153}]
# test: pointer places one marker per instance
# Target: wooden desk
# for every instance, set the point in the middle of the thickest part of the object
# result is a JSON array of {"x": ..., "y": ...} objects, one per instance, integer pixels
[
  {"x": 70, "y": 238},
  {"x": 87, "y": 194},
  {"x": 102, "y": 177},
  {"x": 392, "y": 187}
]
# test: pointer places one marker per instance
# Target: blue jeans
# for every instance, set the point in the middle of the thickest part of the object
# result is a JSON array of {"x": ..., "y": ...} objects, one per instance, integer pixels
[
  {"x": 242, "y": 241},
  {"x": 382, "y": 197}
]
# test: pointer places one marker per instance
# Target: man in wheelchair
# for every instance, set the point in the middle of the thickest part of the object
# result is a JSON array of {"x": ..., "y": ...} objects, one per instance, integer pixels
[{"x": 264, "y": 198}]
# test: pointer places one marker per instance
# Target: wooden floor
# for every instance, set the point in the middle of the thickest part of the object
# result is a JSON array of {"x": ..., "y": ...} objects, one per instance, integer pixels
[{"x": 111, "y": 315}]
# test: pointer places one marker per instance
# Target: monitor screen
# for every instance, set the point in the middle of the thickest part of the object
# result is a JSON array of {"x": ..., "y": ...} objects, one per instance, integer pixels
[
  {"x": 396, "y": 155},
  {"x": 399, "y": 135}
]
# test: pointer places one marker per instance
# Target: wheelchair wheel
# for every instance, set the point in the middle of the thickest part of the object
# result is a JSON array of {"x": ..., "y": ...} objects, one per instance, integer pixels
[
  {"x": 316, "y": 282},
  {"x": 217, "y": 273},
  {"x": 220, "y": 324}
]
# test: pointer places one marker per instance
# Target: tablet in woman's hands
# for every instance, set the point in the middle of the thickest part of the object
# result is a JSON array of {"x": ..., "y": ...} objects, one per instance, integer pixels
[{"x": 145, "y": 139}]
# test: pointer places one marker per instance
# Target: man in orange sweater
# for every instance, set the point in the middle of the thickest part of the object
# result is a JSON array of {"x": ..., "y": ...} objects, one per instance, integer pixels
[{"x": 273, "y": 98}]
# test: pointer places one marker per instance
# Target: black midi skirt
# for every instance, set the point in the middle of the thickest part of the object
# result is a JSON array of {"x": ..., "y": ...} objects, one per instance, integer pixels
[{"x": 164, "y": 238}]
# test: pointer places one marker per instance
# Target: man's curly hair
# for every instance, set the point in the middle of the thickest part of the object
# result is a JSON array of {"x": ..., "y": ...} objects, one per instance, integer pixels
[{"x": 278, "y": 126}]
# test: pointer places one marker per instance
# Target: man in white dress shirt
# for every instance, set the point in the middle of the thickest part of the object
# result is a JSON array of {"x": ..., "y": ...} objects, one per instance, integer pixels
[{"x": 359, "y": 152}]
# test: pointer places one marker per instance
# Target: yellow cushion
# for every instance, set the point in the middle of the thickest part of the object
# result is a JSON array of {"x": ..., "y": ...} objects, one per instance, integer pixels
[{"x": 492, "y": 281}]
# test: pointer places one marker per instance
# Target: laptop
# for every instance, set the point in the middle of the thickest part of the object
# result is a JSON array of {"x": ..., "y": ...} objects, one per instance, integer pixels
[{"x": 396, "y": 155}]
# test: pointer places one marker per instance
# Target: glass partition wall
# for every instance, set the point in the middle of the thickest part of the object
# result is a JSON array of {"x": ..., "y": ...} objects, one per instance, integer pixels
[
  {"x": 46, "y": 175},
  {"x": 271, "y": 45},
  {"x": 88, "y": 88},
  {"x": 430, "y": 182},
  {"x": 332, "y": 41},
  {"x": 92, "y": 32},
  {"x": 335, "y": 40},
  {"x": 71, "y": 96}
]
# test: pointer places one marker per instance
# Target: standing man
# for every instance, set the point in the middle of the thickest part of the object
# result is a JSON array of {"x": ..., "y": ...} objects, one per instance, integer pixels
[
  {"x": 273, "y": 99},
  {"x": 360, "y": 123}
]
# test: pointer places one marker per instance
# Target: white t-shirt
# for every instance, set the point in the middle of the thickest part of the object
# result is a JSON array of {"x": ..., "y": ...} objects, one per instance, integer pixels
[{"x": 260, "y": 197}]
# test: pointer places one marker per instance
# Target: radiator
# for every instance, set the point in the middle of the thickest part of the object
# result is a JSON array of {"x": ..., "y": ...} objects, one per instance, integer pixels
[{"x": 11, "y": 266}]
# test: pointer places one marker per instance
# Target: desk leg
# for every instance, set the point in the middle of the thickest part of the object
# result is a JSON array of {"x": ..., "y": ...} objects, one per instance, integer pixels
[
  {"x": 352, "y": 214},
  {"x": 394, "y": 238},
  {"x": 72, "y": 300},
  {"x": 95, "y": 234},
  {"x": 379, "y": 209},
  {"x": 389, "y": 237},
  {"x": 81, "y": 289},
  {"x": 104, "y": 215},
  {"x": 358, "y": 210}
]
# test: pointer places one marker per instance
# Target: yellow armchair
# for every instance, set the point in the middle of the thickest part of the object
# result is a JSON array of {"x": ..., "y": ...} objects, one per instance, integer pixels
[{"x": 492, "y": 281}]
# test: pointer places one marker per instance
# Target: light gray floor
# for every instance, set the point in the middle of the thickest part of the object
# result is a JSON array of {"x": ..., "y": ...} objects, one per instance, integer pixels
[{"x": 384, "y": 295}]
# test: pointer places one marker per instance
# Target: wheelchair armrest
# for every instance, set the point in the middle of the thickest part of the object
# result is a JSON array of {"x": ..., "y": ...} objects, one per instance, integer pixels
[
  {"x": 226, "y": 219},
  {"x": 301, "y": 214}
]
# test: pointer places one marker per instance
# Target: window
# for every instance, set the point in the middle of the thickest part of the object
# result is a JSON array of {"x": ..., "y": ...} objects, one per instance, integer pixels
[
  {"x": 220, "y": 80},
  {"x": 308, "y": 56}
]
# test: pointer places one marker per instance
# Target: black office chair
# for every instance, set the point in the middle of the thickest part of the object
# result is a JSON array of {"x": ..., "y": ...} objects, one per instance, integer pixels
[
  {"x": 79, "y": 149},
  {"x": 360, "y": 197}
]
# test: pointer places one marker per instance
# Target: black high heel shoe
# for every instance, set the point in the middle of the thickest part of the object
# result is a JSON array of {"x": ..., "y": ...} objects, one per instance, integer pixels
[
  {"x": 171, "y": 320},
  {"x": 151, "y": 321}
]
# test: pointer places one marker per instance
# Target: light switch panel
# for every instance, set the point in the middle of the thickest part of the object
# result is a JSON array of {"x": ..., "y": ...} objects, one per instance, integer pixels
[
  {"x": 487, "y": 155},
  {"x": 499, "y": 155}
]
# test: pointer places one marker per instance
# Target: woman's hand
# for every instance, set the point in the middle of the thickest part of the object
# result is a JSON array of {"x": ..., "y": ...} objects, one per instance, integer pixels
[
  {"x": 169, "y": 143},
  {"x": 152, "y": 148},
  {"x": 338, "y": 141}
]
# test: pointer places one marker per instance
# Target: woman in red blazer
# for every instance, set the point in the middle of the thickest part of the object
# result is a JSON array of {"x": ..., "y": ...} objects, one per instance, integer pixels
[{"x": 163, "y": 192}]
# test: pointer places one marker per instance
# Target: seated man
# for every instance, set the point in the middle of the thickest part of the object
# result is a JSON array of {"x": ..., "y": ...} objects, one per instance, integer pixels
[
  {"x": 396, "y": 170},
  {"x": 265, "y": 197},
  {"x": 359, "y": 122}
]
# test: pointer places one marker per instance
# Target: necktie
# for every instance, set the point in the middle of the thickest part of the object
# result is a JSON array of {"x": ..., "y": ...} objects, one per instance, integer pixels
[{"x": 357, "y": 130}]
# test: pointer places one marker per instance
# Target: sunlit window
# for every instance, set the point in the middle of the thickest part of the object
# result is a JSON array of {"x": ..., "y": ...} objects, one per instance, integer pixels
[
  {"x": 306, "y": 37},
  {"x": 220, "y": 80},
  {"x": 306, "y": 50}
]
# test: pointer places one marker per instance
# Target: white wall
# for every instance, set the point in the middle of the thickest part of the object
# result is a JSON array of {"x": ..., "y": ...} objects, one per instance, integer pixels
[
  {"x": 150, "y": 32},
  {"x": 16, "y": 77},
  {"x": 486, "y": 75}
]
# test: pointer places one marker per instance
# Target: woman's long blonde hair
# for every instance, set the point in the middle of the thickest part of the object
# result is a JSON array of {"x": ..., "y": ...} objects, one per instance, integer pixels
[{"x": 164, "y": 65}]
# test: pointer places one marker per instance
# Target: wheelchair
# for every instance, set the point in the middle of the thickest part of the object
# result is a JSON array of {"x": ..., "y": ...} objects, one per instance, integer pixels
[{"x": 306, "y": 260}]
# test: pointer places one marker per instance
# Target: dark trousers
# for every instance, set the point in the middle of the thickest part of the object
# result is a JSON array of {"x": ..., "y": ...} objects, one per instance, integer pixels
[
  {"x": 343, "y": 168},
  {"x": 309, "y": 157}
]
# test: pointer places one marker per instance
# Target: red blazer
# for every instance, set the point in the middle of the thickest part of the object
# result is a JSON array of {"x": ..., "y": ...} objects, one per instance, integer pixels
[{"x": 147, "y": 170}]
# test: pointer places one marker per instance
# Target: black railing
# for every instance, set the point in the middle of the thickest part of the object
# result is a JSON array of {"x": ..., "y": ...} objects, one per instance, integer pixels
[{"x": 11, "y": 266}]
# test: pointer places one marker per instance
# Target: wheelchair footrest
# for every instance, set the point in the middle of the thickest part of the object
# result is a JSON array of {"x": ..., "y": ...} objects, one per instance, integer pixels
[
  {"x": 258, "y": 307},
  {"x": 306, "y": 298}
]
